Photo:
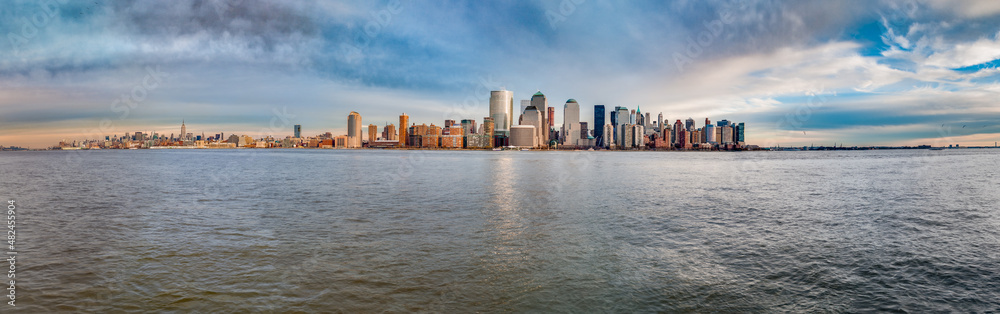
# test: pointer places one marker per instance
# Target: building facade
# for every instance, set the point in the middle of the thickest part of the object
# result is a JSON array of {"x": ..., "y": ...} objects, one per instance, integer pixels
[{"x": 571, "y": 123}]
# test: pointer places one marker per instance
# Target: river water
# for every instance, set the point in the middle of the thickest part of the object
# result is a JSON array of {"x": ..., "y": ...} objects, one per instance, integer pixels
[{"x": 466, "y": 231}]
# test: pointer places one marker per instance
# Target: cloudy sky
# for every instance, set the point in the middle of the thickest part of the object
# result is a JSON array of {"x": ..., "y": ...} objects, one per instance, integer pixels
[{"x": 797, "y": 72}]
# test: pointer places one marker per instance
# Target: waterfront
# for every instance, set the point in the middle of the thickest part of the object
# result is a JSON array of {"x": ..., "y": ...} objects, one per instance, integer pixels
[{"x": 446, "y": 231}]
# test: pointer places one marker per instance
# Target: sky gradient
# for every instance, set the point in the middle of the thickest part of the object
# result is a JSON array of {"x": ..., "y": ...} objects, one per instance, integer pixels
[{"x": 797, "y": 72}]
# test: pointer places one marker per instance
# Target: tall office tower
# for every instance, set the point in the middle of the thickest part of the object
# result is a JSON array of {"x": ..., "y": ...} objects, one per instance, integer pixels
[
  {"x": 571, "y": 122},
  {"x": 639, "y": 118},
  {"x": 524, "y": 105},
  {"x": 354, "y": 130},
  {"x": 449, "y": 123},
  {"x": 183, "y": 129},
  {"x": 639, "y": 137},
  {"x": 501, "y": 110},
  {"x": 678, "y": 132},
  {"x": 718, "y": 134},
  {"x": 666, "y": 135},
  {"x": 659, "y": 121},
  {"x": 584, "y": 133},
  {"x": 390, "y": 133},
  {"x": 599, "y": 125},
  {"x": 614, "y": 126},
  {"x": 469, "y": 126},
  {"x": 739, "y": 133},
  {"x": 533, "y": 117},
  {"x": 722, "y": 123},
  {"x": 707, "y": 122},
  {"x": 298, "y": 131},
  {"x": 689, "y": 124},
  {"x": 710, "y": 134},
  {"x": 631, "y": 117},
  {"x": 542, "y": 104},
  {"x": 488, "y": 130},
  {"x": 647, "y": 122},
  {"x": 372, "y": 132},
  {"x": 552, "y": 117},
  {"x": 727, "y": 134},
  {"x": 623, "y": 119},
  {"x": 404, "y": 124},
  {"x": 607, "y": 136}
]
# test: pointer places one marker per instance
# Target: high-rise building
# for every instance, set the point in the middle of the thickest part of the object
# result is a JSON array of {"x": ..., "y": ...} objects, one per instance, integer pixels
[
  {"x": 727, "y": 134},
  {"x": 659, "y": 121},
  {"x": 488, "y": 130},
  {"x": 552, "y": 117},
  {"x": 372, "y": 133},
  {"x": 298, "y": 130},
  {"x": 623, "y": 119},
  {"x": 647, "y": 122},
  {"x": 739, "y": 133},
  {"x": 183, "y": 128},
  {"x": 710, "y": 134},
  {"x": 469, "y": 126},
  {"x": 354, "y": 130},
  {"x": 599, "y": 125},
  {"x": 678, "y": 134},
  {"x": 631, "y": 116},
  {"x": 608, "y": 136},
  {"x": 707, "y": 122},
  {"x": 542, "y": 104},
  {"x": 524, "y": 105},
  {"x": 614, "y": 126},
  {"x": 584, "y": 133},
  {"x": 389, "y": 133},
  {"x": 501, "y": 110},
  {"x": 532, "y": 116},
  {"x": 404, "y": 124},
  {"x": 571, "y": 123},
  {"x": 689, "y": 124}
]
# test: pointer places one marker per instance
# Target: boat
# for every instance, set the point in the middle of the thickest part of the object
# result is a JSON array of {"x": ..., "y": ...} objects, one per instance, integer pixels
[{"x": 497, "y": 149}]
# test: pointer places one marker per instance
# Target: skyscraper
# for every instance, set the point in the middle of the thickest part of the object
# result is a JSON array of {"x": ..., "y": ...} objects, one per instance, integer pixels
[
  {"x": 739, "y": 133},
  {"x": 354, "y": 130},
  {"x": 501, "y": 110},
  {"x": 689, "y": 124},
  {"x": 488, "y": 130},
  {"x": 659, "y": 121},
  {"x": 542, "y": 104},
  {"x": 622, "y": 119},
  {"x": 678, "y": 133},
  {"x": 298, "y": 131},
  {"x": 183, "y": 129},
  {"x": 552, "y": 117},
  {"x": 599, "y": 125},
  {"x": 372, "y": 133},
  {"x": 571, "y": 123},
  {"x": 533, "y": 117},
  {"x": 524, "y": 105},
  {"x": 404, "y": 124}
]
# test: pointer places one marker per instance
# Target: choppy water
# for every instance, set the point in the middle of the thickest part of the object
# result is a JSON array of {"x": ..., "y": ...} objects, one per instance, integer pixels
[{"x": 372, "y": 231}]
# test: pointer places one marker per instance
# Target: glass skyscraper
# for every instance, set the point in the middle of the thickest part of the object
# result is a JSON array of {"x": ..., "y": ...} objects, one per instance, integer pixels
[{"x": 598, "y": 125}]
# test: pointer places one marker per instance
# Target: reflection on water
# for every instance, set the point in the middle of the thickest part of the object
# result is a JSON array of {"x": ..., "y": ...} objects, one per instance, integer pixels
[{"x": 373, "y": 231}]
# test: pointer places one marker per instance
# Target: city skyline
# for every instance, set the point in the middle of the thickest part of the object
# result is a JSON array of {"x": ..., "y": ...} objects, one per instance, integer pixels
[{"x": 859, "y": 73}]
